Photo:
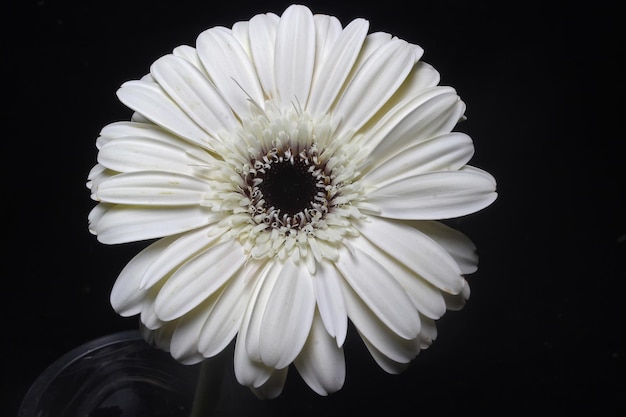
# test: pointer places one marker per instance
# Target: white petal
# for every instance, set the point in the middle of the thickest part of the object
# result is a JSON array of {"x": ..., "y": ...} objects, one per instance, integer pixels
[
  {"x": 332, "y": 308},
  {"x": 459, "y": 246},
  {"x": 456, "y": 302},
  {"x": 432, "y": 113},
  {"x": 374, "y": 83},
  {"x": 426, "y": 298},
  {"x": 145, "y": 130},
  {"x": 96, "y": 175},
  {"x": 385, "y": 340},
  {"x": 230, "y": 69},
  {"x": 333, "y": 71},
  {"x": 198, "y": 278},
  {"x": 250, "y": 372},
  {"x": 240, "y": 31},
  {"x": 295, "y": 55},
  {"x": 321, "y": 362},
  {"x": 126, "y": 296},
  {"x": 262, "y": 42},
  {"x": 422, "y": 76},
  {"x": 388, "y": 365},
  {"x": 152, "y": 188},
  {"x": 284, "y": 319},
  {"x": 434, "y": 196},
  {"x": 194, "y": 94},
  {"x": 176, "y": 253},
  {"x": 150, "y": 100},
  {"x": 441, "y": 153},
  {"x": 130, "y": 154},
  {"x": 429, "y": 332},
  {"x": 380, "y": 291},
  {"x": 184, "y": 344},
  {"x": 121, "y": 224},
  {"x": 415, "y": 251},
  {"x": 190, "y": 54},
  {"x": 160, "y": 337},
  {"x": 421, "y": 79},
  {"x": 273, "y": 387},
  {"x": 148, "y": 315},
  {"x": 327, "y": 29},
  {"x": 225, "y": 318}
]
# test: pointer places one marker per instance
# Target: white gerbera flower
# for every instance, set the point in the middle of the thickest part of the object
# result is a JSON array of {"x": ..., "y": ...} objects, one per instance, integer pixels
[{"x": 293, "y": 171}]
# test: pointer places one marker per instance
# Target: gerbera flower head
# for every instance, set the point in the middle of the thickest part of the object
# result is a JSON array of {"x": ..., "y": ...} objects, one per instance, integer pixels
[{"x": 292, "y": 173}]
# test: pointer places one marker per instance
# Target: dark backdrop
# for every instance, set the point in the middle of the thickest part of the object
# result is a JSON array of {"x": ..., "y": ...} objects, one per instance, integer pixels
[{"x": 544, "y": 328}]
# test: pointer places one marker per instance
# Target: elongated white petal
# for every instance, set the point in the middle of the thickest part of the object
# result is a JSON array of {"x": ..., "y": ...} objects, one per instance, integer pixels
[
  {"x": 380, "y": 291},
  {"x": 147, "y": 131},
  {"x": 374, "y": 83},
  {"x": 179, "y": 251},
  {"x": 437, "y": 195},
  {"x": 126, "y": 296},
  {"x": 184, "y": 343},
  {"x": 284, "y": 319},
  {"x": 387, "y": 364},
  {"x": 327, "y": 30},
  {"x": 190, "y": 54},
  {"x": 148, "y": 314},
  {"x": 295, "y": 55},
  {"x": 273, "y": 387},
  {"x": 426, "y": 298},
  {"x": 459, "y": 246},
  {"x": 249, "y": 371},
  {"x": 198, "y": 278},
  {"x": 433, "y": 112},
  {"x": 447, "y": 152},
  {"x": 423, "y": 76},
  {"x": 334, "y": 69},
  {"x": 416, "y": 251},
  {"x": 161, "y": 337},
  {"x": 224, "y": 319},
  {"x": 429, "y": 332},
  {"x": 321, "y": 362},
  {"x": 456, "y": 302},
  {"x": 332, "y": 308},
  {"x": 229, "y": 68},
  {"x": 151, "y": 101},
  {"x": 262, "y": 36},
  {"x": 152, "y": 188},
  {"x": 121, "y": 224},
  {"x": 385, "y": 340},
  {"x": 194, "y": 94},
  {"x": 240, "y": 31},
  {"x": 131, "y": 154}
]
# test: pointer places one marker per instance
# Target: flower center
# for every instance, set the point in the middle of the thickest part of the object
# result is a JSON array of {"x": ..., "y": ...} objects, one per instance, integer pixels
[
  {"x": 288, "y": 186},
  {"x": 288, "y": 190}
]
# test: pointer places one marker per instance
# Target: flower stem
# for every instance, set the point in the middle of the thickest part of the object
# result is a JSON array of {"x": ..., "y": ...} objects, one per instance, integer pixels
[{"x": 207, "y": 393}]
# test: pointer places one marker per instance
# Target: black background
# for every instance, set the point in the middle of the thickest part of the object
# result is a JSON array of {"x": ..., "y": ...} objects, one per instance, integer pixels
[{"x": 543, "y": 331}]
